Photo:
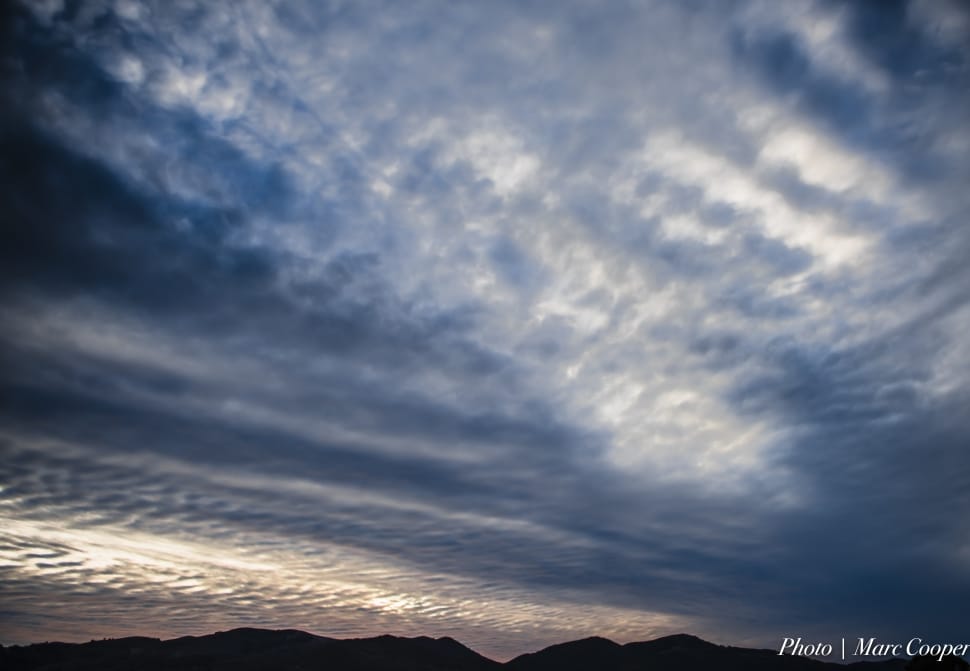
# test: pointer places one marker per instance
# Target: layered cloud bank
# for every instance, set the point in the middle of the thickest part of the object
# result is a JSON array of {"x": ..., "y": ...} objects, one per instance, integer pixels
[{"x": 515, "y": 322}]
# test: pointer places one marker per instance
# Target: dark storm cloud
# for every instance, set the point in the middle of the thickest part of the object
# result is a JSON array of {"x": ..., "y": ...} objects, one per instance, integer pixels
[{"x": 479, "y": 320}]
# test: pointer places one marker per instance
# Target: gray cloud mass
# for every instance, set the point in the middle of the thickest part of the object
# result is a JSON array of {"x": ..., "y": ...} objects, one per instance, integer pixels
[{"x": 515, "y": 322}]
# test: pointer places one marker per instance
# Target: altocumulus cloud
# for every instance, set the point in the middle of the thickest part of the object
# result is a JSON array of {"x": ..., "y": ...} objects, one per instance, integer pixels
[{"x": 514, "y": 322}]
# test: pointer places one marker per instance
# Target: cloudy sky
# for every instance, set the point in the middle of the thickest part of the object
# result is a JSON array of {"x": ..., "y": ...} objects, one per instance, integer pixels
[{"x": 510, "y": 321}]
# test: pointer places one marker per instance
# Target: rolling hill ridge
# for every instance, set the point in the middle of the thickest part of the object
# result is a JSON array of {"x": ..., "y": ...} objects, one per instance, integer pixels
[{"x": 284, "y": 650}]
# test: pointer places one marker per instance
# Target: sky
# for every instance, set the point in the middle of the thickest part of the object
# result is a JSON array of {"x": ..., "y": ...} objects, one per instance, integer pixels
[{"x": 515, "y": 322}]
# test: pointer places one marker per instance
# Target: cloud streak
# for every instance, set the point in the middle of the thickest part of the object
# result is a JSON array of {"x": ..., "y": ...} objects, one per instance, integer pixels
[{"x": 514, "y": 323}]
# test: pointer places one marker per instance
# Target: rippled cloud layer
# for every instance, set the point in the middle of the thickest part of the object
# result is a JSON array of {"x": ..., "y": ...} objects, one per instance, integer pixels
[{"x": 514, "y": 322}]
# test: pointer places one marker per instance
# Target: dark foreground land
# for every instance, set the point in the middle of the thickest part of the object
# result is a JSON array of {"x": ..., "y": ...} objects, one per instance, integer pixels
[{"x": 252, "y": 649}]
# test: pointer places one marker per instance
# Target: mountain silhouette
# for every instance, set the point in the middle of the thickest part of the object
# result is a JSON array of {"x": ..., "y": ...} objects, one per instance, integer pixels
[
  {"x": 681, "y": 652},
  {"x": 291, "y": 650},
  {"x": 249, "y": 650}
]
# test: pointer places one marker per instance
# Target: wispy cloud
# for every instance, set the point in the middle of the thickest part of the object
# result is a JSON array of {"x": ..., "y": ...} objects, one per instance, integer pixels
[{"x": 513, "y": 322}]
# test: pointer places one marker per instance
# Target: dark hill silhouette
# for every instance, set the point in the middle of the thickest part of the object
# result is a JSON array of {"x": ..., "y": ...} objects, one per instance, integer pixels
[
  {"x": 249, "y": 650},
  {"x": 588, "y": 653},
  {"x": 948, "y": 663},
  {"x": 291, "y": 650},
  {"x": 681, "y": 652}
]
